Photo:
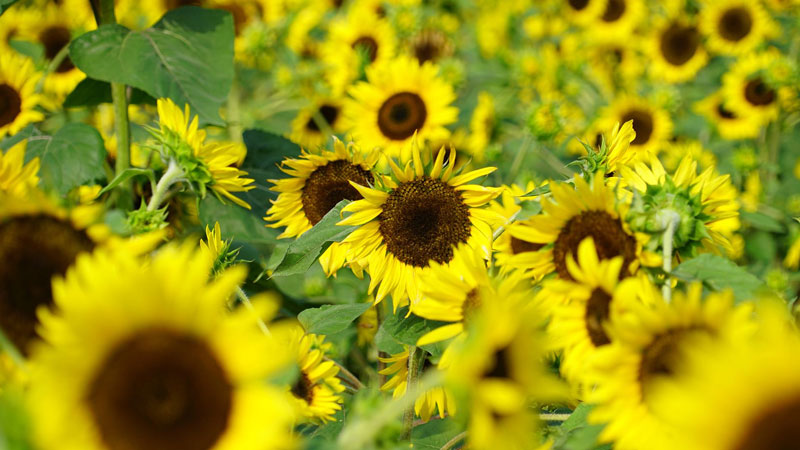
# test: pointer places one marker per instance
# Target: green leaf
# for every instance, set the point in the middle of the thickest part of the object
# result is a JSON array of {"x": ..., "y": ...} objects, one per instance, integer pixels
[
  {"x": 577, "y": 434},
  {"x": 265, "y": 151},
  {"x": 15, "y": 426},
  {"x": 763, "y": 222},
  {"x": 187, "y": 56},
  {"x": 398, "y": 330},
  {"x": 71, "y": 157},
  {"x": 91, "y": 92},
  {"x": 329, "y": 319},
  {"x": 434, "y": 434},
  {"x": 541, "y": 190},
  {"x": 24, "y": 133},
  {"x": 5, "y": 4},
  {"x": 719, "y": 273},
  {"x": 126, "y": 175},
  {"x": 245, "y": 225},
  {"x": 302, "y": 253}
]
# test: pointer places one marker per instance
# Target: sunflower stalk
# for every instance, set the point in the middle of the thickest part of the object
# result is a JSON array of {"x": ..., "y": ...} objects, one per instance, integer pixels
[
  {"x": 54, "y": 63},
  {"x": 170, "y": 177},
  {"x": 346, "y": 375},
  {"x": 249, "y": 305},
  {"x": 416, "y": 358},
  {"x": 670, "y": 219},
  {"x": 456, "y": 439}
]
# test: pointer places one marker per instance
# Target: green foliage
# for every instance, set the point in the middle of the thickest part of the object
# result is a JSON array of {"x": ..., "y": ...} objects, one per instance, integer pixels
[
  {"x": 402, "y": 329},
  {"x": 91, "y": 92},
  {"x": 15, "y": 432},
  {"x": 720, "y": 273},
  {"x": 434, "y": 434},
  {"x": 127, "y": 174},
  {"x": 577, "y": 434},
  {"x": 141, "y": 220},
  {"x": 244, "y": 225},
  {"x": 5, "y": 4},
  {"x": 71, "y": 157},
  {"x": 186, "y": 56},
  {"x": 329, "y": 319}
]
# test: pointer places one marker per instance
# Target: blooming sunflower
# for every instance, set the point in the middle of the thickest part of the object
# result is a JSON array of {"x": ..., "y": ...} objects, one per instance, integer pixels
[
  {"x": 18, "y": 97},
  {"x": 735, "y": 27},
  {"x": 315, "y": 394},
  {"x": 428, "y": 402},
  {"x": 729, "y": 125},
  {"x": 161, "y": 366},
  {"x": 207, "y": 163},
  {"x": 318, "y": 182},
  {"x": 748, "y": 89},
  {"x": 307, "y": 133},
  {"x": 16, "y": 177},
  {"x": 677, "y": 51},
  {"x": 650, "y": 345},
  {"x": 401, "y": 98},
  {"x": 430, "y": 45},
  {"x": 573, "y": 214},
  {"x": 481, "y": 127},
  {"x": 618, "y": 20},
  {"x": 651, "y": 123},
  {"x": 583, "y": 12},
  {"x": 414, "y": 219}
]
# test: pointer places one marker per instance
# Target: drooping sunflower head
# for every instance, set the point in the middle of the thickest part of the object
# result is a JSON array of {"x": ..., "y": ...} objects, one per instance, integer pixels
[
  {"x": 416, "y": 218},
  {"x": 18, "y": 97},
  {"x": 400, "y": 99},
  {"x": 677, "y": 50},
  {"x": 438, "y": 398},
  {"x": 311, "y": 127},
  {"x": 205, "y": 164},
  {"x": 735, "y": 27},
  {"x": 160, "y": 366}
]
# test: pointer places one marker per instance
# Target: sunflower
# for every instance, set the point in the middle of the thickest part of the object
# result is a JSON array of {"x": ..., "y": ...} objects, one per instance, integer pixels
[
  {"x": 428, "y": 402},
  {"x": 651, "y": 123},
  {"x": 16, "y": 177},
  {"x": 650, "y": 345},
  {"x": 430, "y": 45},
  {"x": 749, "y": 90},
  {"x": 481, "y": 127},
  {"x": 367, "y": 326},
  {"x": 677, "y": 51},
  {"x": 401, "y": 98},
  {"x": 162, "y": 365},
  {"x": 208, "y": 163},
  {"x": 414, "y": 219},
  {"x": 618, "y": 21},
  {"x": 573, "y": 214},
  {"x": 18, "y": 97},
  {"x": 306, "y": 132},
  {"x": 10, "y": 27},
  {"x": 318, "y": 182},
  {"x": 735, "y": 27},
  {"x": 315, "y": 394},
  {"x": 729, "y": 125},
  {"x": 582, "y": 12}
]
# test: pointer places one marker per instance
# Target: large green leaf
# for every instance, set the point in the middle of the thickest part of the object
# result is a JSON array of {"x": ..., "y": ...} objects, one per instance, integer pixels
[
  {"x": 577, "y": 434},
  {"x": 402, "y": 329},
  {"x": 187, "y": 56},
  {"x": 265, "y": 151},
  {"x": 245, "y": 226},
  {"x": 329, "y": 319},
  {"x": 91, "y": 92},
  {"x": 71, "y": 157},
  {"x": 5, "y": 4},
  {"x": 435, "y": 434},
  {"x": 719, "y": 273}
]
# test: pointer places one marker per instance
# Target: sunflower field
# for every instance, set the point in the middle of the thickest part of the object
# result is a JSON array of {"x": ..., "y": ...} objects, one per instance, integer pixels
[{"x": 394, "y": 224}]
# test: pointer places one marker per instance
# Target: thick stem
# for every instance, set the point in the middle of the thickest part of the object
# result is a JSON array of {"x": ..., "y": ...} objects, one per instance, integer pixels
[
  {"x": 246, "y": 300},
  {"x": 416, "y": 357},
  {"x": 380, "y": 311},
  {"x": 456, "y": 439},
  {"x": 672, "y": 220},
  {"x": 173, "y": 174}
]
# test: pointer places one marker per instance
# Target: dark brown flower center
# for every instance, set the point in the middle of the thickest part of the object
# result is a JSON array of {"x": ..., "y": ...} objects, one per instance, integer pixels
[
  {"x": 610, "y": 240},
  {"x": 519, "y": 246},
  {"x": 161, "y": 389},
  {"x": 174, "y": 4},
  {"x": 775, "y": 428},
  {"x": 329, "y": 112},
  {"x": 758, "y": 93},
  {"x": 422, "y": 220},
  {"x": 664, "y": 353},
  {"x": 724, "y": 112},
  {"x": 33, "y": 249},
  {"x": 679, "y": 44},
  {"x": 430, "y": 46},
  {"x": 501, "y": 364},
  {"x": 735, "y": 24},
  {"x": 368, "y": 45},
  {"x": 598, "y": 308},
  {"x": 10, "y": 104},
  {"x": 329, "y": 184},
  {"x": 614, "y": 10},
  {"x": 303, "y": 388},
  {"x": 578, "y": 5},
  {"x": 642, "y": 125},
  {"x": 401, "y": 115},
  {"x": 54, "y": 39},
  {"x": 472, "y": 303}
]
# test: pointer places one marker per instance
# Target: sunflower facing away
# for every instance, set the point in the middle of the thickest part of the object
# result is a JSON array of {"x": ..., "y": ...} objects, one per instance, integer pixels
[
  {"x": 401, "y": 99},
  {"x": 318, "y": 182},
  {"x": 416, "y": 218},
  {"x": 18, "y": 97},
  {"x": 161, "y": 366},
  {"x": 429, "y": 401},
  {"x": 316, "y": 393}
]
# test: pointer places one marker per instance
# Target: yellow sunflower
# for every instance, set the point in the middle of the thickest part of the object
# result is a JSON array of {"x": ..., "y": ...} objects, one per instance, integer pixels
[
  {"x": 573, "y": 214},
  {"x": 582, "y": 12},
  {"x": 618, "y": 21},
  {"x": 677, "y": 51},
  {"x": 481, "y": 127},
  {"x": 316, "y": 393},
  {"x": 16, "y": 177},
  {"x": 749, "y": 90},
  {"x": 651, "y": 343},
  {"x": 430, "y": 45},
  {"x": 306, "y": 132},
  {"x": 212, "y": 161},
  {"x": 736, "y": 27},
  {"x": 400, "y": 100},
  {"x": 161, "y": 365},
  {"x": 428, "y": 402},
  {"x": 416, "y": 218},
  {"x": 318, "y": 181},
  {"x": 18, "y": 97},
  {"x": 729, "y": 125},
  {"x": 10, "y": 26},
  {"x": 651, "y": 123}
]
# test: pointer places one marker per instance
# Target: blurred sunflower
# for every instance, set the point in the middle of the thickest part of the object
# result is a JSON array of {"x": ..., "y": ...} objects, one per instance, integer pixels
[
  {"x": 582, "y": 12},
  {"x": 10, "y": 27},
  {"x": 317, "y": 183},
  {"x": 306, "y": 132},
  {"x": 400, "y": 100},
  {"x": 430, "y": 45},
  {"x": 416, "y": 218},
  {"x": 729, "y": 125},
  {"x": 677, "y": 51},
  {"x": 162, "y": 366},
  {"x": 651, "y": 123},
  {"x": 618, "y": 20},
  {"x": 18, "y": 97},
  {"x": 481, "y": 127},
  {"x": 735, "y": 27},
  {"x": 651, "y": 345},
  {"x": 17, "y": 177},
  {"x": 429, "y": 401},
  {"x": 315, "y": 394},
  {"x": 749, "y": 90}
]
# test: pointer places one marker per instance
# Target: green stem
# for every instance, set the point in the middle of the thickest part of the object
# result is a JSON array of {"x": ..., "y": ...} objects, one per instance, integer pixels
[
  {"x": 124, "y": 191},
  {"x": 416, "y": 357},
  {"x": 456, "y": 439},
  {"x": 347, "y": 375},
  {"x": 671, "y": 219},
  {"x": 234, "y": 112},
  {"x": 246, "y": 300},
  {"x": 107, "y": 15},
  {"x": 380, "y": 316},
  {"x": 322, "y": 124},
  {"x": 172, "y": 175},
  {"x": 11, "y": 350}
]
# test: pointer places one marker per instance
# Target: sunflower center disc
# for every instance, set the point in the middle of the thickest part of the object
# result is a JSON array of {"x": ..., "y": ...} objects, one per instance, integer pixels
[
  {"x": 614, "y": 10},
  {"x": 758, "y": 93},
  {"x": 775, "y": 429},
  {"x": 32, "y": 250},
  {"x": 578, "y": 5},
  {"x": 662, "y": 355},
  {"x": 724, "y": 112},
  {"x": 735, "y": 24},
  {"x": 429, "y": 46},
  {"x": 161, "y": 390},
  {"x": 519, "y": 246},
  {"x": 368, "y": 44},
  {"x": 598, "y": 309},
  {"x": 329, "y": 184},
  {"x": 642, "y": 125},
  {"x": 679, "y": 44},
  {"x": 329, "y": 112},
  {"x": 10, "y": 104},
  {"x": 175, "y": 4},
  {"x": 500, "y": 367},
  {"x": 472, "y": 304},
  {"x": 303, "y": 389},
  {"x": 54, "y": 39},
  {"x": 401, "y": 115},
  {"x": 422, "y": 220},
  {"x": 610, "y": 240}
]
